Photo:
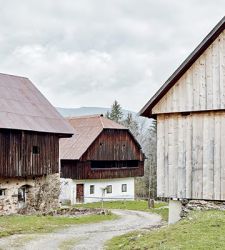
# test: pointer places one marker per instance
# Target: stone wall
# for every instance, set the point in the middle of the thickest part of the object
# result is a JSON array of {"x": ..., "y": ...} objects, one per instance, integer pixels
[
  {"x": 191, "y": 205},
  {"x": 41, "y": 194}
]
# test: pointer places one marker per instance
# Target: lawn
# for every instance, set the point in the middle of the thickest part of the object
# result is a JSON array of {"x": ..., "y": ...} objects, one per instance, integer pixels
[
  {"x": 16, "y": 224},
  {"x": 131, "y": 205},
  {"x": 201, "y": 230}
]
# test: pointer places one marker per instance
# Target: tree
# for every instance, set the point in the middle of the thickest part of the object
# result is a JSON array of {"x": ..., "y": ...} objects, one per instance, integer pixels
[
  {"x": 116, "y": 113},
  {"x": 152, "y": 160},
  {"x": 145, "y": 134},
  {"x": 132, "y": 124},
  {"x": 146, "y": 186}
]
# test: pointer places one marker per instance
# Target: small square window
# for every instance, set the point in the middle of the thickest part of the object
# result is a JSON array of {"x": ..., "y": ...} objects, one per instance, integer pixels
[
  {"x": 109, "y": 189},
  {"x": 124, "y": 187},
  {"x": 92, "y": 189},
  {"x": 36, "y": 150},
  {"x": 2, "y": 192}
]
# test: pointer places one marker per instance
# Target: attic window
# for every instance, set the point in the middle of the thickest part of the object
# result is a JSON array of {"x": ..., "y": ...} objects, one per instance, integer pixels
[{"x": 36, "y": 150}]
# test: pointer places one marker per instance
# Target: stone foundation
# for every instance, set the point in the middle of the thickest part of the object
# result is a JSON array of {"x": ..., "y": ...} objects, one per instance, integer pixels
[
  {"x": 29, "y": 195},
  {"x": 191, "y": 205}
]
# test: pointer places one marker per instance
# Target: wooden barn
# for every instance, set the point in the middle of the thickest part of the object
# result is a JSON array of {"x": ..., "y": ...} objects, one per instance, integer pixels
[
  {"x": 190, "y": 113},
  {"x": 100, "y": 160},
  {"x": 30, "y": 129}
]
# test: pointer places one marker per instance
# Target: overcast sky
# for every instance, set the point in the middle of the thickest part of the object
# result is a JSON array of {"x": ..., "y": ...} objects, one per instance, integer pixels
[{"x": 91, "y": 52}]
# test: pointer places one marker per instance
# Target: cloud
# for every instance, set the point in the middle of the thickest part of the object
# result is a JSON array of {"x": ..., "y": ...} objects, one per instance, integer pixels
[{"x": 88, "y": 53}]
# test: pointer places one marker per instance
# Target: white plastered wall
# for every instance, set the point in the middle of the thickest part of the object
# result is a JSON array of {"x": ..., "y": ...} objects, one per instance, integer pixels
[{"x": 68, "y": 189}]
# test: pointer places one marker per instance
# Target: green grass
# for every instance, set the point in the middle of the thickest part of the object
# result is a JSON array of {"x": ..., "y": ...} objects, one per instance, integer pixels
[
  {"x": 18, "y": 224},
  {"x": 131, "y": 205},
  {"x": 202, "y": 230}
]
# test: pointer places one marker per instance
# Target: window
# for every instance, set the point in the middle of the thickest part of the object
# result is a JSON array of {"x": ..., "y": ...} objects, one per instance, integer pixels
[
  {"x": 114, "y": 164},
  {"x": 2, "y": 192},
  {"x": 109, "y": 189},
  {"x": 21, "y": 194},
  {"x": 92, "y": 189},
  {"x": 124, "y": 187},
  {"x": 36, "y": 150}
]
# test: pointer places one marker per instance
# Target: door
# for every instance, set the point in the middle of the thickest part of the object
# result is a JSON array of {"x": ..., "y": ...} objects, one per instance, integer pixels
[{"x": 80, "y": 193}]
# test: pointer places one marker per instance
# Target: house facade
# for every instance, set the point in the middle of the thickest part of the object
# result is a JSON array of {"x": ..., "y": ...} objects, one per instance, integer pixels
[
  {"x": 99, "y": 162},
  {"x": 30, "y": 129},
  {"x": 190, "y": 113}
]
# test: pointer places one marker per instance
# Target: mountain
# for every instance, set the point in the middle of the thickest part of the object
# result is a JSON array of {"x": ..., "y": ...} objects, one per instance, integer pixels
[{"x": 87, "y": 111}]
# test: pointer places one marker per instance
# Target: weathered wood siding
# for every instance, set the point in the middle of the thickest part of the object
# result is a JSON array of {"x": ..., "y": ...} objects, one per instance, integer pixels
[
  {"x": 202, "y": 87},
  {"x": 113, "y": 144},
  {"x": 17, "y": 158},
  {"x": 191, "y": 155},
  {"x": 82, "y": 170}
]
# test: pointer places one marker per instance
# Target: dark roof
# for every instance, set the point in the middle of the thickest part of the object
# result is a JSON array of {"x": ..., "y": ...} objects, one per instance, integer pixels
[
  {"x": 87, "y": 128},
  {"x": 207, "y": 41},
  {"x": 23, "y": 107}
]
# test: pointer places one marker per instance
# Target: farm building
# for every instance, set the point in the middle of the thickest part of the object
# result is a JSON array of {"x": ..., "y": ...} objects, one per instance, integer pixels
[
  {"x": 100, "y": 160},
  {"x": 190, "y": 113},
  {"x": 30, "y": 129}
]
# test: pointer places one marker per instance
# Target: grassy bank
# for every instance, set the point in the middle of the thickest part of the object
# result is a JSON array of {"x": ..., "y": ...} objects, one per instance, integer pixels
[
  {"x": 131, "y": 205},
  {"x": 16, "y": 224},
  {"x": 202, "y": 230}
]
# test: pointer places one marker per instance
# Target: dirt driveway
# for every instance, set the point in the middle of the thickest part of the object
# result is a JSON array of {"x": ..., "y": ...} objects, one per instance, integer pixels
[{"x": 86, "y": 236}]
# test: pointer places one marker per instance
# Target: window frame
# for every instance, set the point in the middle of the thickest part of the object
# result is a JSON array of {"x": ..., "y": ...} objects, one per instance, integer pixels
[
  {"x": 92, "y": 189},
  {"x": 122, "y": 188},
  {"x": 109, "y": 189}
]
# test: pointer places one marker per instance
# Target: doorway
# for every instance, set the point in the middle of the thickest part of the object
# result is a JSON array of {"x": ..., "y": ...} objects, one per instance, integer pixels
[
  {"x": 22, "y": 195},
  {"x": 80, "y": 193}
]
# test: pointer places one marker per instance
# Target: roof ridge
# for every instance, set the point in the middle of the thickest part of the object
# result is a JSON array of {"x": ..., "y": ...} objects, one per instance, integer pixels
[
  {"x": 84, "y": 116},
  {"x": 103, "y": 126},
  {"x": 13, "y": 75}
]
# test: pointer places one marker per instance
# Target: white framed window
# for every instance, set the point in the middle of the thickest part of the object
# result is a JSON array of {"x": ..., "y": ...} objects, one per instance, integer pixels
[
  {"x": 124, "y": 188},
  {"x": 109, "y": 189},
  {"x": 92, "y": 189}
]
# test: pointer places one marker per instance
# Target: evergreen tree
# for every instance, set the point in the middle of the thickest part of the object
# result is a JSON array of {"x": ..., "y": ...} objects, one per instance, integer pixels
[{"x": 116, "y": 113}]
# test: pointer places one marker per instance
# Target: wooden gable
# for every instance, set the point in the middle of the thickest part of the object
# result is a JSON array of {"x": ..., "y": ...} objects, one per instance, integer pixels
[
  {"x": 202, "y": 86},
  {"x": 114, "y": 145}
]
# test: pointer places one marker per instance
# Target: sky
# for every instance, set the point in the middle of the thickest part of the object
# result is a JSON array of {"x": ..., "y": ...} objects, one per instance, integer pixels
[{"x": 91, "y": 52}]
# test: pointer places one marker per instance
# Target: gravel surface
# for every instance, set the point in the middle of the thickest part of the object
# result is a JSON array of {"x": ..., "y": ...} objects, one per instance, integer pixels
[{"x": 83, "y": 237}]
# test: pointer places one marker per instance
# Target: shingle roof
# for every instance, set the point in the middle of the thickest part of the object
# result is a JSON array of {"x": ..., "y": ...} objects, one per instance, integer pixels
[
  {"x": 23, "y": 107},
  {"x": 147, "y": 109},
  {"x": 87, "y": 129}
]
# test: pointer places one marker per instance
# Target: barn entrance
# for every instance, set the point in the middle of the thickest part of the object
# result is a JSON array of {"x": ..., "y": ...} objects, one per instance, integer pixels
[{"x": 80, "y": 193}]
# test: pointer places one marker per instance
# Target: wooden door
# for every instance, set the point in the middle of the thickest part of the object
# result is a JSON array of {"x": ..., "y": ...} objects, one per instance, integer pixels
[{"x": 80, "y": 193}]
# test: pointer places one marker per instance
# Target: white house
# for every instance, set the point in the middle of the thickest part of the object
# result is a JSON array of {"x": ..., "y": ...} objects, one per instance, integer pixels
[{"x": 99, "y": 162}]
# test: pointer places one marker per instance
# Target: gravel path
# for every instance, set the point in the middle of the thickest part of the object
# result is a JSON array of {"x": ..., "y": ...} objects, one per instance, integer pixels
[{"x": 83, "y": 237}]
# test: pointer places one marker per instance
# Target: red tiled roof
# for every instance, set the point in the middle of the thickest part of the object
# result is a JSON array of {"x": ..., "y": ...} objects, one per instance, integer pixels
[{"x": 87, "y": 129}]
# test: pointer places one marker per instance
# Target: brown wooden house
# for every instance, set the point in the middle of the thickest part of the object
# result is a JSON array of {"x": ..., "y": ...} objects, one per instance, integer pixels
[
  {"x": 102, "y": 158},
  {"x": 30, "y": 129}
]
